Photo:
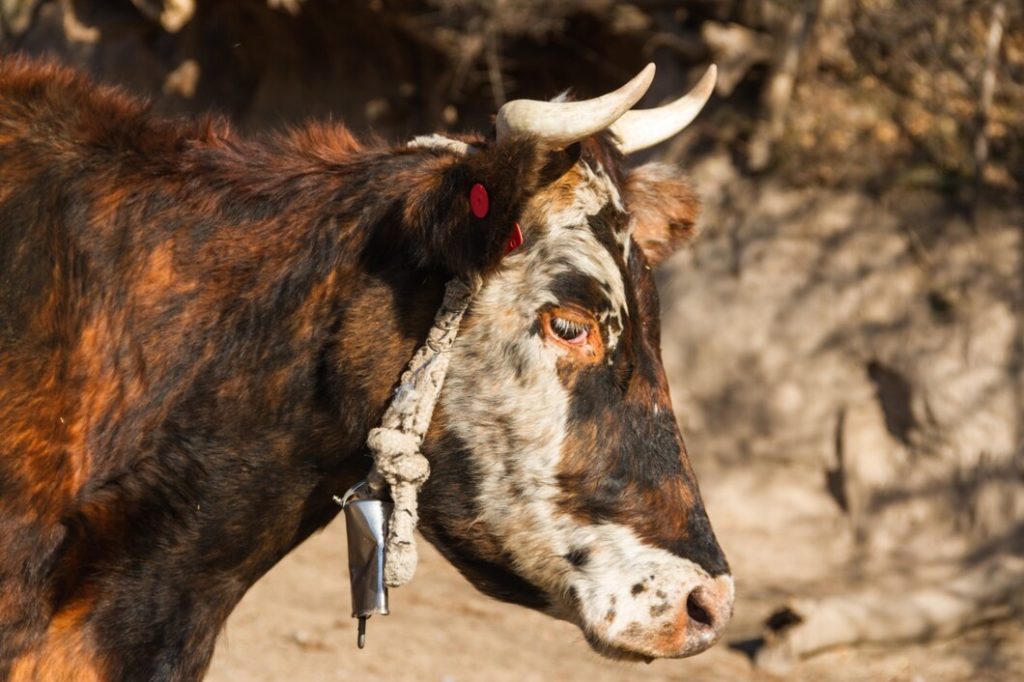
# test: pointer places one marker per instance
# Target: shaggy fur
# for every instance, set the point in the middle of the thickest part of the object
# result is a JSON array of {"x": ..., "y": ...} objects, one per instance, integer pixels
[{"x": 197, "y": 331}]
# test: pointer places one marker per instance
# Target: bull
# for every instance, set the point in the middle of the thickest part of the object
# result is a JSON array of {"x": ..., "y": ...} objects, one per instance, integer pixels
[{"x": 198, "y": 330}]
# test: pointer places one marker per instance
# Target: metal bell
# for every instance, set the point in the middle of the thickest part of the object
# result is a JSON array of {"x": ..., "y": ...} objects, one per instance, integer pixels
[{"x": 366, "y": 524}]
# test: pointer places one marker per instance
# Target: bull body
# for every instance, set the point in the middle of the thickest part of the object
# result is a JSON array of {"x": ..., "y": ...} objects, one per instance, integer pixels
[{"x": 196, "y": 334}]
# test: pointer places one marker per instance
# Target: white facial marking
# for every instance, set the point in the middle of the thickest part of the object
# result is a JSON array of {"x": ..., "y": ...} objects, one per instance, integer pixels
[
  {"x": 569, "y": 245},
  {"x": 512, "y": 414}
]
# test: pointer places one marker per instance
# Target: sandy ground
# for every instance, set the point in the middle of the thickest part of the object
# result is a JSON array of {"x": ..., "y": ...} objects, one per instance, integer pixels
[{"x": 295, "y": 624}]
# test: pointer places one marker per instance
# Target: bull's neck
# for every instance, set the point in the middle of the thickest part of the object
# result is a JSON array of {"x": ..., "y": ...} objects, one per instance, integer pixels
[
  {"x": 330, "y": 344},
  {"x": 274, "y": 344}
]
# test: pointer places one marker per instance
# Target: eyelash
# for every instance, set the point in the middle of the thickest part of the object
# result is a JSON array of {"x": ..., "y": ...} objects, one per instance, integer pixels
[{"x": 567, "y": 330}]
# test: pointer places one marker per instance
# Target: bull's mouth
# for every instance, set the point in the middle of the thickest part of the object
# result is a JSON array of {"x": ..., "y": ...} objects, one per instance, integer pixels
[{"x": 618, "y": 652}]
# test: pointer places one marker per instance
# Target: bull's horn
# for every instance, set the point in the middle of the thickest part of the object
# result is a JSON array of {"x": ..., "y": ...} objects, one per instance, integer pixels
[
  {"x": 645, "y": 128},
  {"x": 559, "y": 124}
]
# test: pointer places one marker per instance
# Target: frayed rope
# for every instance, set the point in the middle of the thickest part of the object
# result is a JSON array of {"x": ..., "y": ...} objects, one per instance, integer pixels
[{"x": 395, "y": 444}]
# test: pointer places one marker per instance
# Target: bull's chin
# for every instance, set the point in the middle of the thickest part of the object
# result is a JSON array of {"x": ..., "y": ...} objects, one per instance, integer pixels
[
  {"x": 606, "y": 649},
  {"x": 619, "y": 653},
  {"x": 614, "y": 652}
]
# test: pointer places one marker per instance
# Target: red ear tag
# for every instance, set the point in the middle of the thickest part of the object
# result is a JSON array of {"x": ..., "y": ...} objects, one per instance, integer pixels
[
  {"x": 515, "y": 239},
  {"x": 479, "y": 202}
]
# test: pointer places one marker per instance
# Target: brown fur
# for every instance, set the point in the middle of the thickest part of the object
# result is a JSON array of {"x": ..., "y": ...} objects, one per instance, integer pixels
[
  {"x": 163, "y": 273},
  {"x": 197, "y": 331},
  {"x": 664, "y": 209}
]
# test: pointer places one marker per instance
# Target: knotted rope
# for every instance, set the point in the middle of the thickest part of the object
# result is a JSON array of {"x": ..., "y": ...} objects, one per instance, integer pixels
[{"x": 395, "y": 444}]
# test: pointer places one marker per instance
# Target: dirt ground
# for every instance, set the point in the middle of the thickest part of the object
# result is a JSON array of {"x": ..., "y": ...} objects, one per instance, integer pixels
[{"x": 295, "y": 624}]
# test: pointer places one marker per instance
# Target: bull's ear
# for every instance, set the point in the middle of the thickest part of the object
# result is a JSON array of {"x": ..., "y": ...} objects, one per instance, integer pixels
[
  {"x": 460, "y": 209},
  {"x": 663, "y": 207}
]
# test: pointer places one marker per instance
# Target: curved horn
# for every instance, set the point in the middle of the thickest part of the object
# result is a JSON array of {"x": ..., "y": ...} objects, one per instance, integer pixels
[
  {"x": 645, "y": 128},
  {"x": 559, "y": 124}
]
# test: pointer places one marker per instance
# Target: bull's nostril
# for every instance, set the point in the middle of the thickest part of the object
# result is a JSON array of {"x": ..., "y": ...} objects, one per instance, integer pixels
[{"x": 696, "y": 611}]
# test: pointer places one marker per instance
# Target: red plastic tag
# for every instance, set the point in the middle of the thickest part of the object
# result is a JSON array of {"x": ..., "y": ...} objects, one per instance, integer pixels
[
  {"x": 515, "y": 239},
  {"x": 479, "y": 202}
]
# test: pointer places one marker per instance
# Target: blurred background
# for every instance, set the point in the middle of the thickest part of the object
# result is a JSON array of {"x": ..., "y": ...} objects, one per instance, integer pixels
[{"x": 845, "y": 341}]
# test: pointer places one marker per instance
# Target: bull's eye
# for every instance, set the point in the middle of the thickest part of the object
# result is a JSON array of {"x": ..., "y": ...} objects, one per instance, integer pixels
[
  {"x": 569, "y": 331},
  {"x": 575, "y": 330}
]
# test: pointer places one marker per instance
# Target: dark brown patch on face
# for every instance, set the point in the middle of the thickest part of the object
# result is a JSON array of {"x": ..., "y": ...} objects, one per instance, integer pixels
[
  {"x": 623, "y": 458},
  {"x": 600, "y": 151}
]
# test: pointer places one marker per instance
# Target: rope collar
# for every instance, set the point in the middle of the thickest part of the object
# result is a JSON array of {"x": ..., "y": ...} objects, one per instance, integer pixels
[{"x": 395, "y": 445}]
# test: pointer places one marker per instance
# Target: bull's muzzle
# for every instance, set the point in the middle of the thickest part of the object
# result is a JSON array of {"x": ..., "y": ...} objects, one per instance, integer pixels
[
  {"x": 690, "y": 626},
  {"x": 701, "y": 620},
  {"x": 665, "y": 617}
]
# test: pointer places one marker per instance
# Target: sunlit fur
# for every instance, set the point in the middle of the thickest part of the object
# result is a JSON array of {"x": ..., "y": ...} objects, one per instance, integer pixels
[{"x": 197, "y": 331}]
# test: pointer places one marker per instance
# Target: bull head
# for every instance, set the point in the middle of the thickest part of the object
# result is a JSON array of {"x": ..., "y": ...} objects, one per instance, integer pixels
[{"x": 560, "y": 479}]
